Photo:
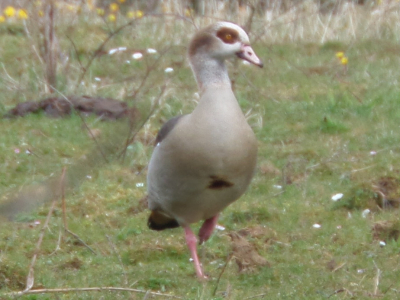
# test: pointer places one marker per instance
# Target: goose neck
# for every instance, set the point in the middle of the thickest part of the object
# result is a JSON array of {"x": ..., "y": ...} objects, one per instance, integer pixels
[{"x": 209, "y": 72}]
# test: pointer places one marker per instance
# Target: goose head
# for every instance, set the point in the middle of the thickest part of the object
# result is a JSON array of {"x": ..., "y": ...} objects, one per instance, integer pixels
[{"x": 211, "y": 46}]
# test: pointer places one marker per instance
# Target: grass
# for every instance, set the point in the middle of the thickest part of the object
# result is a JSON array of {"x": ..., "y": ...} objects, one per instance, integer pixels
[{"x": 316, "y": 124}]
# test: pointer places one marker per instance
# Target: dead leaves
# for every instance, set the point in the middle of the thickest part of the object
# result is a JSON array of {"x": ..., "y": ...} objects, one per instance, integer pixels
[{"x": 388, "y": 190}]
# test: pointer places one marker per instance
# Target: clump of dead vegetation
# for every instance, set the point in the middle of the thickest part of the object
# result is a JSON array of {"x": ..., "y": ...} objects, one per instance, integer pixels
[
  {"x": 105, "y": 108},
  {"x": 382, "y": 193}
]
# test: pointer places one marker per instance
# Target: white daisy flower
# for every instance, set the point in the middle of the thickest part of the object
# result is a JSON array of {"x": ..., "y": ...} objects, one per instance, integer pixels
[{"x": 137, "y": 55}]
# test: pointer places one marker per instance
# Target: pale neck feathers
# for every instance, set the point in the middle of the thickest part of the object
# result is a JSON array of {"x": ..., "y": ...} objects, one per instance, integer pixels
[{"x": 209, "y": 71}]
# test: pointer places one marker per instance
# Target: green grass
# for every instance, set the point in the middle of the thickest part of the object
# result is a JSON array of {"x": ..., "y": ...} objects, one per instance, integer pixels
[{"x": 316, "y": 125}]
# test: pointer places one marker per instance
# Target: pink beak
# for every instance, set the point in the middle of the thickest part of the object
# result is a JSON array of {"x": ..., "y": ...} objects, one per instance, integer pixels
[{"x": 247, "y": 53}]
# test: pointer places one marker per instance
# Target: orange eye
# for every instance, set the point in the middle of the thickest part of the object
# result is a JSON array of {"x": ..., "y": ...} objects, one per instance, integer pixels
[{"x": 227, "y": 35}]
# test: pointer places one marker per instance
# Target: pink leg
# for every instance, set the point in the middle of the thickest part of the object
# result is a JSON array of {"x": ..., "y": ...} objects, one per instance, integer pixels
[
  {"x": 191, "y": 241},
  {"x": 207, "y": 229}
]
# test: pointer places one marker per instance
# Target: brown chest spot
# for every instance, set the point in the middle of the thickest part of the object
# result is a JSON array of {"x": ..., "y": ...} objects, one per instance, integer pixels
[{"x": 218, "y": 183}]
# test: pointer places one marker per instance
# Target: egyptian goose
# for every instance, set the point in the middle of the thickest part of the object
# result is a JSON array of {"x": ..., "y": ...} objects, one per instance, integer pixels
[{"x": 205, "y": 160}]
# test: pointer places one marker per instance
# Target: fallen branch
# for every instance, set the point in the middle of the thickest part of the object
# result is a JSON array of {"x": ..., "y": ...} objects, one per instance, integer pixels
[{"x": 88, "y": 289}]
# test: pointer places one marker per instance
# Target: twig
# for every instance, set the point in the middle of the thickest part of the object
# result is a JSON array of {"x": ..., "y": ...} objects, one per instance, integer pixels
[
  {"x": 63, "y": 199},
  {"x": 114, "y": 248},
  {"x": 387, "y": 290},
  {"x": 362, "y": 169},
  {"x": 62, "y": 188},
  {"x": 146, "y": 296},
  {"x": 83, "y": 122},
  {"x": 50, "y": 47},
  {"x": 347, "y": 89},
  {"x": 58, "y": 243},
  {"x": 377, "y": 277},
  {"x": 28, "y": 34},
  {"x": 281, "y": 243},
  {"x": 338, "y": 267},
  {"x": 100, "y": 49},
  {"x": 149, "y": 69},
  {"x": 8, "y": 75},
  {"x": 85, "y": 125},
  {"x": 222, "y": 272},
  {"x": 89, "y": 289},
  {"x": 249, "y": 22},
  {"x": 341, "y": 291},
  {"x": 131, "y": 138},
  {"x": 148, "y": 72},
  {"x": 337, "y": 292},
  {"x": 64, "y": 212},
  {"x": 76, "y": 51},
  {"x": 92, "y": 136},
  {"x": 80, "y": 240},
  {"x": 228, "y": 290},
  {"x": 31, "y": 276},
  {"x": 326, "y": 27},
  {"x": 112, "y": 34},
  {"x": 256, "y": 296}
]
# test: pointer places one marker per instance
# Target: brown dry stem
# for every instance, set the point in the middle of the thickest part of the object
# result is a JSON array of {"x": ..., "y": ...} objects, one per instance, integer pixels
[{"x": 88, "y": 289}]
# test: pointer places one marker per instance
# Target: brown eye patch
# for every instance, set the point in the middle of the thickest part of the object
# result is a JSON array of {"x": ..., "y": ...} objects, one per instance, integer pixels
[
  {"x": 228, "y": 35},
  {"x": 201, "y": 40}
]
